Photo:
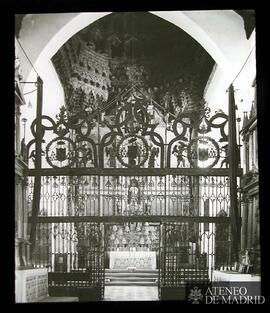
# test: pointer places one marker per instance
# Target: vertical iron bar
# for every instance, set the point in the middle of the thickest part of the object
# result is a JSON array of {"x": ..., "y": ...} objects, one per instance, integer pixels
[
  {"x": 234, "y": 214},
  {"x": 159, "y": 259},
  {"x": 99, "y": 158},
  {"x": 164, "y": 212},
  {"x": 38, "y": 162}
]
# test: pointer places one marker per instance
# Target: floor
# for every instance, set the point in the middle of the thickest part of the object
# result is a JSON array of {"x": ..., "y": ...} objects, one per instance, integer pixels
[
  {"x": 131, "y": 293},
  {"x": 60, "y": 299},
  {"x": 118, "y": 293}
]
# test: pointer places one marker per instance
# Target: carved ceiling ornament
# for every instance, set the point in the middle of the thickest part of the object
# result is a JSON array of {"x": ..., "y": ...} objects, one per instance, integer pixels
[{"x": 125, "y": 49}]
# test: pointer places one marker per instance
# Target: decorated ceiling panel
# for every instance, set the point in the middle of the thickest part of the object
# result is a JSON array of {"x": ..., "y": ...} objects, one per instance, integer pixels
[{"x": 133, "y": 48}]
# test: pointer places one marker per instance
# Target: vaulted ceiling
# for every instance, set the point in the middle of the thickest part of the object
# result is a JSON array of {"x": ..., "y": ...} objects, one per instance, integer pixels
[{"x": 133, "y": 48}]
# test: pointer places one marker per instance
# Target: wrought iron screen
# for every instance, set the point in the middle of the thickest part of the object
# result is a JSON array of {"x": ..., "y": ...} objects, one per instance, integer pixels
[
  {"x": 132, "y": 160},
  {"x": 131, "y": 132},
  {"x": 74, "y": 255},
  {"x": 190, "y": 251},
  {"x": 170, "y": 195}
]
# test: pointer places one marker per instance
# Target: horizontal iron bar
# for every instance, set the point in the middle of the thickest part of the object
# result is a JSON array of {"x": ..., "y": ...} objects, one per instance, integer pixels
[
  {"x": 126, "y": 219},
  {"x": 131, "y": 172}
]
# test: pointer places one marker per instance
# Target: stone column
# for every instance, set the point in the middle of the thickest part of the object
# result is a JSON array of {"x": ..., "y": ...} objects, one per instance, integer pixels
[
  {"x": 18, "y": 221},
  {"x": 255, "y": 147},
  {"x": 251, "y": 153},
  {"x": 257, "y": 221},
  {"x": 250, "y": 223},
  {"x": 17, "y": 254},
  {"x": 254, "y": 223},
  {"x": 25, "y": 231},
  {"x": 245, "y": 154},
  {"x": 21, "y": 237},
  {"x": 244, "y": 206},
  {"x": 17, "y": 128}
]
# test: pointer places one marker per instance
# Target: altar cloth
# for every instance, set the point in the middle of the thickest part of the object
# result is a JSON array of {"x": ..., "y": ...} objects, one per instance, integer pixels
[{"x": 137, "y": 259}]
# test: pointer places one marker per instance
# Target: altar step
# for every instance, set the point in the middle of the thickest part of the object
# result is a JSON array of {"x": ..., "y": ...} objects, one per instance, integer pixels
[{"x": 126, "y": 278}]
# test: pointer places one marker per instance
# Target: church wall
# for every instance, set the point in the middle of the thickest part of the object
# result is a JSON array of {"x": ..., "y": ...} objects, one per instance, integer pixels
[{"x": 31, "y": 285}]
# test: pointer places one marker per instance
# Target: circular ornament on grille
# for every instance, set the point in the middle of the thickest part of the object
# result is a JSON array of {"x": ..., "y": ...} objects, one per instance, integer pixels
[
  {"x": 203, "y": 152},
  {"x": 60, "y": 152},
  {"x": 132, "y": 151}
]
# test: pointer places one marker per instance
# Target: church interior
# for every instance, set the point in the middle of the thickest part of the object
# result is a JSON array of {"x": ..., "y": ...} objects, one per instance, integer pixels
[{"x": 136, "y": 154}]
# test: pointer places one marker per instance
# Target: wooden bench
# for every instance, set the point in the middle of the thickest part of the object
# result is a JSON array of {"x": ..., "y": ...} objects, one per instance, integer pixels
[{"x": 75, "y": 284}]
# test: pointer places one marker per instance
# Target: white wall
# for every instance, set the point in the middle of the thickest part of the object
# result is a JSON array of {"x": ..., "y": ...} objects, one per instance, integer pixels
[{"x": 216, "y": 94}]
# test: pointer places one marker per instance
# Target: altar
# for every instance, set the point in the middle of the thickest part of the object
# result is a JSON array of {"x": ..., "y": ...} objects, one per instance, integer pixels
[{"x": 135, "y": 259}]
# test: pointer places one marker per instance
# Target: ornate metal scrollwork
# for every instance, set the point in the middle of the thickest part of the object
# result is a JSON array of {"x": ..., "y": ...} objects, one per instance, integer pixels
[
  {"x": 181, "y": 124},
  {"x": 133, "y": 132}
]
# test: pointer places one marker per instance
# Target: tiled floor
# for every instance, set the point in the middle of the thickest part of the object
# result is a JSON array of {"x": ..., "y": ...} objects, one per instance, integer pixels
[{"x": 131, "y": 293}]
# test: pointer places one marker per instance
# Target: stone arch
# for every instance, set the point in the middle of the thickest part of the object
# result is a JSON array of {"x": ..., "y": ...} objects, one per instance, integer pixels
[
  {"x": 220, "y": 33},
  {"x": 204, "y": 26}
]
